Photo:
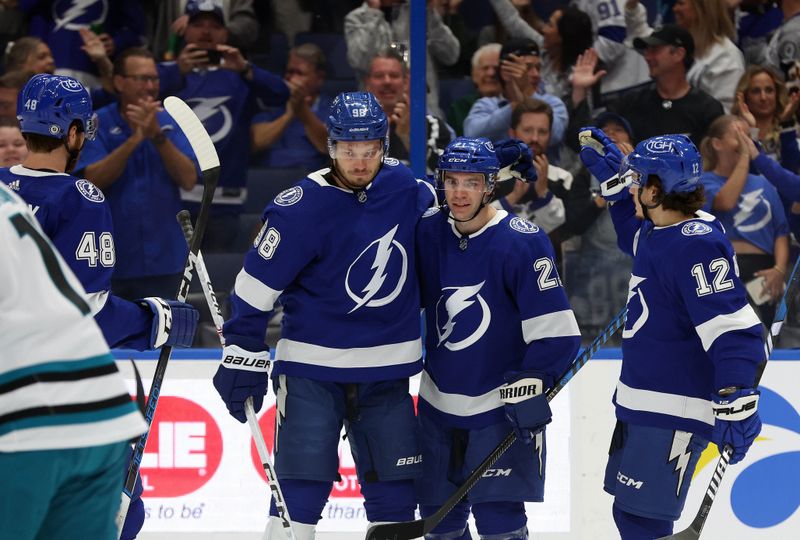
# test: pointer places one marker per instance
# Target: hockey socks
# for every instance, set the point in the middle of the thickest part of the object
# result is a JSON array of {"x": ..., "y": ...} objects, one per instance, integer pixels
[{"x": 632, "y": 527}]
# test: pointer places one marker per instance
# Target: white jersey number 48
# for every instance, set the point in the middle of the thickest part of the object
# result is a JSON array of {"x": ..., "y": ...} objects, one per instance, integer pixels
[{"x": 94, "y": 251}]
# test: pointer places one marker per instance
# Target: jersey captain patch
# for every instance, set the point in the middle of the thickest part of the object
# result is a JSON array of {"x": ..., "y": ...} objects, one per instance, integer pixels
[
  {"x": 523, "y": 225},
  {"x": 694, "y": 228},
  {"x": 90, "y": 191},
  {"x": 288, "y": 197}
]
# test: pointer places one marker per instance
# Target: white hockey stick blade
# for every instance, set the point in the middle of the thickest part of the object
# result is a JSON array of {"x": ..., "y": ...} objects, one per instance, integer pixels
[
  {"x": 193, "y": 129},
  {"x": 122, "y": 513},
  {"x": 272, "y": 477}
]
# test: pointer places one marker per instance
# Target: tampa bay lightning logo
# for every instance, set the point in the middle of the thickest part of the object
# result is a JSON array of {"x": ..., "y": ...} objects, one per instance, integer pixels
[
  {"x": 90, "y": 191},
  {"x": 755, "y": 212},
  {"x": 77, "y": 14},
  {"x": 462, "y": 317},
  {"x": 392, "y": 162},
  {"x": 379, "y": 272},
  {"x": 523, "y": 225},
  {"x": 695, "y": 228},
  {"x": 430, "y": 211},
  {"x": 288, "y": 197},
  {"x": 214, "y": 114},
  {"x": 765, "y": 493},
  {"x": 638, "y": 312}
]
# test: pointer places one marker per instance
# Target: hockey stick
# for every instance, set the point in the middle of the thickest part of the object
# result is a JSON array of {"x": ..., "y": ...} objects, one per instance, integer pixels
[
  {"x": 419, "y": 528},
  {"x": 693, "y": 531},
  {"x": 206, "y": 156},
  {"x": 213, "y": 306}
]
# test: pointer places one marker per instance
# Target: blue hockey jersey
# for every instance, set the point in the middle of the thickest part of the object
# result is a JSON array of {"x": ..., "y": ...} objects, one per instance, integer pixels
[
  {"x": 76, "y": 217},
  {"x": 690, "y": 330},
  {"x": 494, "y": 303},
  {"x": 343, "y": 266},
  {"x": 225, "y": 102}
]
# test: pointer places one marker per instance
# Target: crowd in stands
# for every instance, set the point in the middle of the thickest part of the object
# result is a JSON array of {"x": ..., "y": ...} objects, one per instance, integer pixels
[{"x": 261, "y": 77}]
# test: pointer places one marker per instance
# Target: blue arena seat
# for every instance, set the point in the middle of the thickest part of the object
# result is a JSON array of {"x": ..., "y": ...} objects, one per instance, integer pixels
[
  {"x": 335, "y": 49},
  {"x": 264, "y": 184}
]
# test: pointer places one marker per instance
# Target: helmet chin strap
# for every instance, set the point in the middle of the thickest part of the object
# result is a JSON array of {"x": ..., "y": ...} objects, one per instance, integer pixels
[{"x": 646, "y": 207}]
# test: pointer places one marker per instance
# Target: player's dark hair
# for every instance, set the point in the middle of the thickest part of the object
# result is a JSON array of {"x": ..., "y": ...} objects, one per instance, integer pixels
[
  {"x": 530, "y": 105},
  {"x": 686, "y": 203},
  {"x": 44, "y": 144}
]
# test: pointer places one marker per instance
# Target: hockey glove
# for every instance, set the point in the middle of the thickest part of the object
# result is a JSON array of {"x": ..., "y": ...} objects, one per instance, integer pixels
[
  {"x": 242, "y": 374},
  {"x": 603, "y": 159},
  {"x": 736, "y": 423},
  {"x": 174, "y": 323},
  {"x": 527, "y": 409},
  {"x": 516, "y": 161}
]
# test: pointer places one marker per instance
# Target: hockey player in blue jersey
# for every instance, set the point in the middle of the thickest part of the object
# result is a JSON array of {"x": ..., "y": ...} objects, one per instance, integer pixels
[
  {"x": 338, "y": 249},
  {"x": 55, "y": 116},
  {"x": 499, "y": 333},
  {"x": 691, "y": 345}
]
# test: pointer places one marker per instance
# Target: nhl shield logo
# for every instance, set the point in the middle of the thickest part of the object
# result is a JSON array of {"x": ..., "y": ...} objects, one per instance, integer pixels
[{"x": 378, "y": 274}]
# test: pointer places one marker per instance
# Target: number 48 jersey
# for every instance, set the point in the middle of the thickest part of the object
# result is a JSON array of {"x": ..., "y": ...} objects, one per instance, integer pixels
[
  {"x": 75, "y": 216},
  {"x": 689, "y": 331}
]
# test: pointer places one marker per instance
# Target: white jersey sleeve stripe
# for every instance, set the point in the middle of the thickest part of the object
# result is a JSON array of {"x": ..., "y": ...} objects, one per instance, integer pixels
[
  {"x": 254, "y": 292},
  {"x": 550, "y": 325},
  {"x": 97, "y": 300},
  {"x": 367, "y": 357},
  {"x": 457, "y": 404},
  {"x": 710, "y": 330},
  {"x": 664, "y": 403}
]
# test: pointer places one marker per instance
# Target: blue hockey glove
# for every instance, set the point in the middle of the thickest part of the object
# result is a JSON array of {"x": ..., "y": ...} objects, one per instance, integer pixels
[
  {"x": 736, "y": 422},
  {"x": 515, "y": 159},
  {"x": 240, "y": 375},
  {"x": 603, "y": 159},
  {"x": 526, "y": 404},
  {"x": 174, "y": 323}
]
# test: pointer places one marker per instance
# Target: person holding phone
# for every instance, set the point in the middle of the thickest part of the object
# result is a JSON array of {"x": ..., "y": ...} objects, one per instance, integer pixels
[{"x": 224, "y": 96}]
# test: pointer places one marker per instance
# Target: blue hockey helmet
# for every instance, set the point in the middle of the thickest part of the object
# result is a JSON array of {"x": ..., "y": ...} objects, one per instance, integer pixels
[
  {"x": 673, "y": 158},
  {"x": 469, "y": 154},
  {"x": 357, "y": 116},
  {"x": 49, "y": 104}
]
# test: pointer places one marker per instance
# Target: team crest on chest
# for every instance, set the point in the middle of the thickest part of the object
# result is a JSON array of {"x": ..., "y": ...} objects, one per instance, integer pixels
[
  {"x": 462, "y": 316},
  {"x": 379, "y": 272},
  {"x": 523, "y": 225},
  {"x": 288, "y": 197},
  {"x": 695, "y": 228},
  {"x": 90, "y": 191}
]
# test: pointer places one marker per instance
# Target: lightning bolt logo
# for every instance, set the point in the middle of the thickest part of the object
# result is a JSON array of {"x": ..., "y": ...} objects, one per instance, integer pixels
[
  {"x": 747, "y": 206},
  {"x": 75, "y": 10},
  {"x": 280, "y": 408},
  {"x": 384, "y": 248},
  {"x": 635, "y": 290},
  {"x": 679, "y": 453},
  {"x": 460, "y": 299},
  {"x": 538, "y": 448},
  {"x": 207, "y": 108}
]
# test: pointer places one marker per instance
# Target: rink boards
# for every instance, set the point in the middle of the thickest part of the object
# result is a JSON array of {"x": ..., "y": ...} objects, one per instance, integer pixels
[{"x": 201, "y": 472}]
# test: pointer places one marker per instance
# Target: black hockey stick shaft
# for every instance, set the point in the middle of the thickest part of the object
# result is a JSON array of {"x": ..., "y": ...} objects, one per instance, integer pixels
[
  {"x": 418, "y": 528},
  {"x": 252, "y": 420},
  {"x": 696, "y": 527},
  {"x": 209, "y": 166}
]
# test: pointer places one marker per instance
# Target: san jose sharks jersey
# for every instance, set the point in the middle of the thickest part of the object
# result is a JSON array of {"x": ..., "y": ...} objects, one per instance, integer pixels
[
  {"x": 494, "y": 303},
  {"x": 225, "y": 102},
  {"x": 59, "y": 385},
  {"x": 690, "y": 331},
  {"x": 75, "y": 216},
  {"x": 759, "y": 216},
  {"x": 342, "y": 264}
]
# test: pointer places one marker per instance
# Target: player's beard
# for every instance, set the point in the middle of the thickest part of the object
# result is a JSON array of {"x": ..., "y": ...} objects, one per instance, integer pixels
[{"x": 72, "y": 157}]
